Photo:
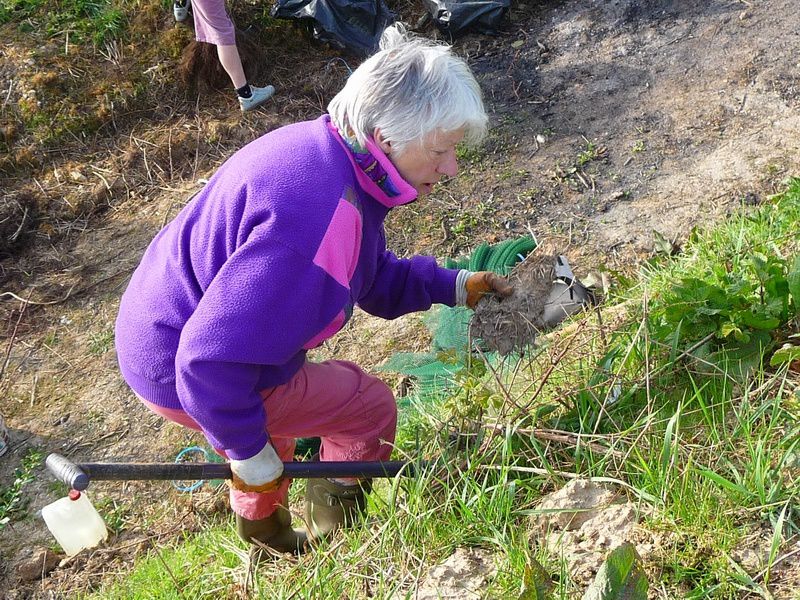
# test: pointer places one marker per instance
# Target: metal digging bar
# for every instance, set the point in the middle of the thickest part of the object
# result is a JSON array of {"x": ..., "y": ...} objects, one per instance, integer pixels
[{"x": 78, "y": 476}]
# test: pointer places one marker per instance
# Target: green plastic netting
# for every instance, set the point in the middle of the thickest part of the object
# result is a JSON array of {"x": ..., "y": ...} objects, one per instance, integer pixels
[{"x": 434, "y": 371}]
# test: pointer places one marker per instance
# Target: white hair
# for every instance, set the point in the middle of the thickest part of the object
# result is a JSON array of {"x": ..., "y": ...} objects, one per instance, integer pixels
[{"x": 408, "y": 89}]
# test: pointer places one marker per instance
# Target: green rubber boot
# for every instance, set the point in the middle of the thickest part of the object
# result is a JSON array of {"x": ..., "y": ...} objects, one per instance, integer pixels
[
  {"x": 275, "y": 532},
  {"x": 331, "y": 505}
]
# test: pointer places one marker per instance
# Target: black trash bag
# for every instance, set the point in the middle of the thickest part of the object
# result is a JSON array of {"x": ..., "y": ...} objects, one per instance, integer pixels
[
  {"x": 354, "y": 25},
  {"x": 456, "y": 16}
]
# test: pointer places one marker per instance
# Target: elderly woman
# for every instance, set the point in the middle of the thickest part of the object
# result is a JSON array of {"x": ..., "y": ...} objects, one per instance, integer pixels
[{"x": 268, "y": 261}]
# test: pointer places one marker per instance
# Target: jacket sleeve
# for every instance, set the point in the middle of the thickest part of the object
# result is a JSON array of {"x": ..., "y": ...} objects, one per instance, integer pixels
[
  {"x": 265, "y": 303},
  {"x": 406, "y": 285}
]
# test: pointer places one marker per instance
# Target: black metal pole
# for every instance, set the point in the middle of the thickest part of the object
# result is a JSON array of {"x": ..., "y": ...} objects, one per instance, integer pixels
[{"x": 78, "y": 476}]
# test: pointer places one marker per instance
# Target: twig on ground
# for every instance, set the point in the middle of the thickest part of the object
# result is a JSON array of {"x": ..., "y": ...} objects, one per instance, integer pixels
[
  {"x": 564, "y": 437},
  {"x": 35, "y": 303},
  {"x": 13, "y": 337}
]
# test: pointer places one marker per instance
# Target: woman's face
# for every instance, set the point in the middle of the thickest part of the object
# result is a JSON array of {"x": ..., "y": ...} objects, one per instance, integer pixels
[{"x": 424, "y": 163}]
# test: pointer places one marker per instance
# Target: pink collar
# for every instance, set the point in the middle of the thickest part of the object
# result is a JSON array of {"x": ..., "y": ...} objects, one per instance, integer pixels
[{"x": 406, "y": 192}]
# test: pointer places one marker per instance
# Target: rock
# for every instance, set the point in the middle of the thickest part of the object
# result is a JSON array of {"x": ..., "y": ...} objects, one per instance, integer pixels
[{"x": 37, "y": 565}]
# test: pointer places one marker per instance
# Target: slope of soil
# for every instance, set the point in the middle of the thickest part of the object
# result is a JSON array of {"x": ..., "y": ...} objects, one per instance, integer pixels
[{"x": 610, "y": 121}]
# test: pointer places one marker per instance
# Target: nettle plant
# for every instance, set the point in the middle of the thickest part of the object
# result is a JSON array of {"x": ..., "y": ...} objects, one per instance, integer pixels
[{"x": 734, "y": 317}]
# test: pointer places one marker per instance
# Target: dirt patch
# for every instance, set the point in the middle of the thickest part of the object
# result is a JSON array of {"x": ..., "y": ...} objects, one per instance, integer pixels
[
  {"x": 618, "y": 119},
  {"x": 753, "y": 554},
  {"x": 582, "y": 522},
  {"x": 463, "y": 576}
]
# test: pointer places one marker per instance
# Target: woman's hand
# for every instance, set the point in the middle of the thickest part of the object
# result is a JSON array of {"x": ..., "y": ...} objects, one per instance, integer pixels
[
  {"x": 484, "y": 282},
  {"x": 260, "y": 473}
]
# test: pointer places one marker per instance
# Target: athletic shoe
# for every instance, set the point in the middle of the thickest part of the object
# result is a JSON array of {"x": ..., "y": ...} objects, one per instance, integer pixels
[
  {"x": 257, "y": 97},
  {"x": 181, "y": 9}
]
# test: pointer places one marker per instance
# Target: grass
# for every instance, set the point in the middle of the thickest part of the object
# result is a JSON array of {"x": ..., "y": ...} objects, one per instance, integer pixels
[
  {"x": 71, "y": 94},
  {"x": 711, "y": 457},
  {"x": 101, "y": 342},
  {"x": 97, "y": 21},
  {"x": 191, "y": 570},
  {"x": 13, "y": 502}
]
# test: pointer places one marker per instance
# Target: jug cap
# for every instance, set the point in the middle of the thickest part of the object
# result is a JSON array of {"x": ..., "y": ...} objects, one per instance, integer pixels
[{"x": 74, "y": 494}]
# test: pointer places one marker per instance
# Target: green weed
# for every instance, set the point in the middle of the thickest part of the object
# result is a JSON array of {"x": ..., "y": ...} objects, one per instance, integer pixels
[
  {"x": 737, "y": 293},
  {"x": 591, "y": 152},
  {"x": 12, "y": 501},
  {"x": 115, "y": 515},
  {"x": 469, "y": 154},
  {"x": 102, "y": 342},
  {"x": 464, "y": 222}
]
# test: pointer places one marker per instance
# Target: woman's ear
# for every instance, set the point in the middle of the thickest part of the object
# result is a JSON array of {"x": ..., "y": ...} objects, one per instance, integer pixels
[{"x": 383, "y": 144}]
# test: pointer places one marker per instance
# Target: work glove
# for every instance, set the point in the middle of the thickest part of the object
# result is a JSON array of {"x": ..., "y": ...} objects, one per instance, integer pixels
[
  {"x": 567, "y": 296},
  {"x": 260, "y": 473},
  {"x": 471, "y": 287}
]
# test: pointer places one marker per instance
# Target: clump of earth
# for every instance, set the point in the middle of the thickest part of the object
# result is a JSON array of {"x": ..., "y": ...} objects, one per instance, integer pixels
[
  {"x": 583, "y": 522},
  {"x": 512, "y": 324},
  {"x": 462, "y": 576}
]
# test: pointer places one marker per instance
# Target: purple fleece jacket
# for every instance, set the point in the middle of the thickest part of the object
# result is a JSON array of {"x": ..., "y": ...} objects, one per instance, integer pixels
[{"x": 264, "y": 263}]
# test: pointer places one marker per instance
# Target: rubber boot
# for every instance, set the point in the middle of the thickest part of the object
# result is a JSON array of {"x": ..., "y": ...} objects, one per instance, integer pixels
[
  {"x": 331, "y": 505},
  {"x": 275, "y": 531}
]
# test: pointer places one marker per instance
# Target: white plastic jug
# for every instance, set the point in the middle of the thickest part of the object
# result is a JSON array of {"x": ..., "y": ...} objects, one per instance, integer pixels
[{"x": 74, "y": 523}]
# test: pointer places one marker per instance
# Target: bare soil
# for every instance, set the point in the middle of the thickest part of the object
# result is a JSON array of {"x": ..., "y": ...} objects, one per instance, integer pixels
[
  {"x": 582, "y": 522},
  {"x": 462, "y": 576},
  {"x": 610, "y": 121}
]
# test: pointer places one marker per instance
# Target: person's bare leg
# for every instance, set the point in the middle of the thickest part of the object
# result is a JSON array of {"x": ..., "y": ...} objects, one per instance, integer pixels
[
  {"x": 250, "y": 97},
  {"x": 232, "y": 63}
]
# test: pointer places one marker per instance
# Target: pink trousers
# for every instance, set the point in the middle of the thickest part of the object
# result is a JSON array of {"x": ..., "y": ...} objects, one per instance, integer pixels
[{"x": 353, "y": 412}]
